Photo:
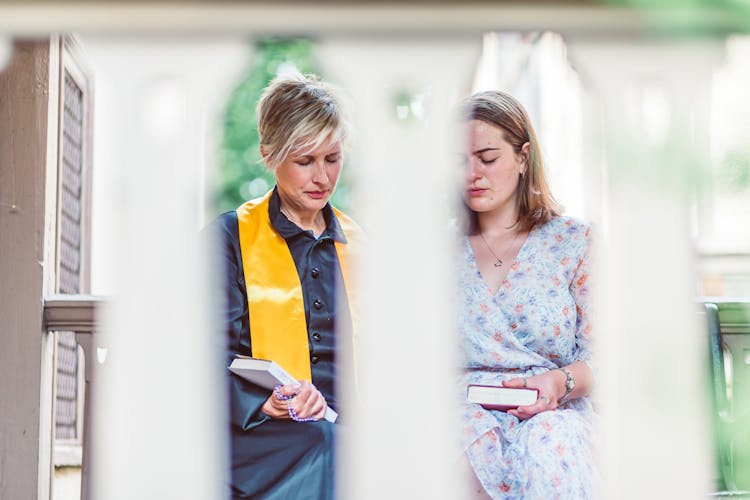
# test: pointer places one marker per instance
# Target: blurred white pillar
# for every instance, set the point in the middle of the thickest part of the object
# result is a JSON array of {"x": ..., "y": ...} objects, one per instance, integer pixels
[
  {"x": 160, "y": 427},
  {"x": 534, "y": 68},
  {"x": 403, "y": 439},
  {"x": 648, "y": 133}
]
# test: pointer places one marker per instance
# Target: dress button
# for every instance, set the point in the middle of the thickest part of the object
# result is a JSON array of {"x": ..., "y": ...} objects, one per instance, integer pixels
[
  {"x": 316, "y": 337},
  {"x": 315, "y": 272},
  {"x": 313, "y": 359},
  {"x": 318, "y": 305}
]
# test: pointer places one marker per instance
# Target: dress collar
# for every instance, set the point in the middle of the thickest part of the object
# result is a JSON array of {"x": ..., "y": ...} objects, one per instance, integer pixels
[{"x": 288, "y": 229}]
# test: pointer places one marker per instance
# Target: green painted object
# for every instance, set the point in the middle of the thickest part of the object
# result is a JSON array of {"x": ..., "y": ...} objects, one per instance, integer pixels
[{"x": 729, "y": 340}]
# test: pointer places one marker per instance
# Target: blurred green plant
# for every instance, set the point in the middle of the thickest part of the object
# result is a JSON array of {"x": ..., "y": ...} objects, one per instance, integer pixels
[
  {"x": 735, "y": 170},
  {"x": 691, "y": 17},
  {"x": 242, "y": 174}
]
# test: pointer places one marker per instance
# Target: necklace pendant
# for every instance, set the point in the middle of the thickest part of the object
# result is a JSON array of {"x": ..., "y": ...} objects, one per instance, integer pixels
[{"x": 499, "y": 263}]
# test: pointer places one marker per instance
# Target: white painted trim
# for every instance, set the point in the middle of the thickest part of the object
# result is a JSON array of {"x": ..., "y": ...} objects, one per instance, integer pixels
[
  {"x": 48, "y": 380},
  {"x": 74, "y": 313},
  {"x": 68, "y": 454}
]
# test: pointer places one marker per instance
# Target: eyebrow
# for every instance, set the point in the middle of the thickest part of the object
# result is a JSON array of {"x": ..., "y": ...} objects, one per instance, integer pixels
[
  {"x": 480, "y": 151},
  {"x": 323, "y": 154}
]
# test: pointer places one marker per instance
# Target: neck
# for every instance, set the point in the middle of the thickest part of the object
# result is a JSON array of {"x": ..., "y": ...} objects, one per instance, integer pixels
[
  {"x": 305, "y": 219},
  {"x": 497, "y": 222}
]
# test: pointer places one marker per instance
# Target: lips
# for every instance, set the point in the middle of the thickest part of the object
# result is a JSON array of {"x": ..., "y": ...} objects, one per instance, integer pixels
[
  {"x": 476, "y": 191},
  {"x": 316, "y": 195}
]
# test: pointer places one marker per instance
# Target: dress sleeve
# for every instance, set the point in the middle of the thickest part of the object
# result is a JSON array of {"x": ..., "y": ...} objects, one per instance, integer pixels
[
  {"x": 245, "y": 398},
  {"x": 580, "y": 290}
]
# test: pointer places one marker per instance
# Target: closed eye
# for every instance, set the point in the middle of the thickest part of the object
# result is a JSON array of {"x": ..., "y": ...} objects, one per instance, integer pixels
[
  {"x": 488, "y": 161},
  {"x": 333, "y": 158}
]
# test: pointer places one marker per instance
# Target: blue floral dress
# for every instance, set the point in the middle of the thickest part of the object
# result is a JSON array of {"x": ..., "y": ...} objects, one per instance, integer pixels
[{"x": 537, "y": 321}]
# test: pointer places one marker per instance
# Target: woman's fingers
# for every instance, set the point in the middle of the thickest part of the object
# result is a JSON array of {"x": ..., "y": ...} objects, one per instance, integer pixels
[
  {"x": 321, "y": 412},
  {"x": 277, "y": 404},
  {"x": 543, "y": 403},
  {"x": 309, "y": 402},
  {"x": 290, "y": 390},
  {"x": 548, "y": 385},
  {"x": 275, "y": 408},
  {"x": 314, "y": 405},
  {"x": 303, "y": 399},
  {"x": 515, "y": 382}
]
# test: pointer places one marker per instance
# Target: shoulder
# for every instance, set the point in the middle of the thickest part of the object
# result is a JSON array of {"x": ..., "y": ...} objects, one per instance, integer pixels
[
  {"x": 348, "y": 225},
  {"x": 222, "y": 242},
  {"x": 343, "y": 218},
  {"x": 223, "y": 230},
  {"x": 571, "y": 235},
  {"x": 250, "y": 206},
  {"x": 568, "y": 226},
  {"x": 224, "y": 224}
]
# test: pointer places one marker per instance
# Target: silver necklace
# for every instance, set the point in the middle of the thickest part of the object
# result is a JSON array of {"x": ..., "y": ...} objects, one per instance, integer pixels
[{"x": 498, "y": 261}]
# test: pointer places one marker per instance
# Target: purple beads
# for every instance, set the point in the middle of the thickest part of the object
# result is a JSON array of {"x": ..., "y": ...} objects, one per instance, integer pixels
[{"x": 292, "y": 413}]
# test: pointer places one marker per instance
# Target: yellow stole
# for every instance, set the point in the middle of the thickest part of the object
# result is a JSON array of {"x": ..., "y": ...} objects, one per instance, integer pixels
[{"x": 278, "y": 330}]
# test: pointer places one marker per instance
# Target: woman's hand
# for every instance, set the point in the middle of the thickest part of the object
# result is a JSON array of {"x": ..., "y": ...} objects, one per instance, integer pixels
[
  {"x": 306, "y": 400},
  {"x": 551, "y": 387}
]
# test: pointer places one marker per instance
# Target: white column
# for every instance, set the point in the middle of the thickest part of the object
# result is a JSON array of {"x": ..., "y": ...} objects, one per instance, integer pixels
[
  {"x": 405, "y": 93},
  {"x": 648, "y": 132},
  {"x": 160, "y": 425}
]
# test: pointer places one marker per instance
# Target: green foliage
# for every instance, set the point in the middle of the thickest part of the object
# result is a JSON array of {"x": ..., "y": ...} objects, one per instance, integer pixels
[
  {"x": 690, "y": 17},
  {"x": 242, "y": 174},
  {"x": 735, "y": 170}
]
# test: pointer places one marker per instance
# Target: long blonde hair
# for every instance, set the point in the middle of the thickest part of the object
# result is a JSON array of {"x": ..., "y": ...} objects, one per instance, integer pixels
[{"x": 534, "y": 201}]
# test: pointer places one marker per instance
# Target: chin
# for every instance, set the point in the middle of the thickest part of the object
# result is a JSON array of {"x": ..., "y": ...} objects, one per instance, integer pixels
[
  {"x": 316, "y": 204},
  {"x": 476, "y": 205}
]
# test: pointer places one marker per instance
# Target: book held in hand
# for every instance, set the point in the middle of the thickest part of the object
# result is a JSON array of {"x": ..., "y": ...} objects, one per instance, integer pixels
[
  {"x": 493, "y": 397},
  {"x": 267, "y": 374}
]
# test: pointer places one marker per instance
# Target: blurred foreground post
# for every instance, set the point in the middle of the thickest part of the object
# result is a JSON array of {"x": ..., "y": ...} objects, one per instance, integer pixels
[
  {"x": 648, "y": 129},
  {"x": 160, "y": 427},
  {"x": 404, "y": 428}
]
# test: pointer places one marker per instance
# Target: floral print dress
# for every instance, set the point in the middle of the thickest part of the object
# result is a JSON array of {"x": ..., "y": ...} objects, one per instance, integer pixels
[{"x": 537, "y": 321}]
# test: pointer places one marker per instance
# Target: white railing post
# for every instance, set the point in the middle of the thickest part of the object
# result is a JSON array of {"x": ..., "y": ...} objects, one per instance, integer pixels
[
  {"x": 405, "y": 94},
  {"x": 648, "y": 135},
  {"x": 160, "y": 429}
]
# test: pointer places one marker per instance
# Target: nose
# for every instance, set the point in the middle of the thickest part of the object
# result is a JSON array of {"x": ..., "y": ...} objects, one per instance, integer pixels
[
  {"x": 472, "y": 170},
  {"x": 320, "y": 174}
]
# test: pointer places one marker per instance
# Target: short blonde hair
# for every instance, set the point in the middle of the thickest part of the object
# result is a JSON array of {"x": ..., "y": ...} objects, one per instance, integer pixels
[{"x": 297, "y": 113}]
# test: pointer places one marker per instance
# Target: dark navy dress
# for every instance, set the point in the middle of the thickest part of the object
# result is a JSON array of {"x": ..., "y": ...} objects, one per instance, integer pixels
[{"x": 282, "y": 459}]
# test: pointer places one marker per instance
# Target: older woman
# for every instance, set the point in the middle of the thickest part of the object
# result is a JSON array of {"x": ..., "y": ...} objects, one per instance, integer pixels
[
  {"x": 285, "y": 256},
  {"x": 524, "y": 318}
]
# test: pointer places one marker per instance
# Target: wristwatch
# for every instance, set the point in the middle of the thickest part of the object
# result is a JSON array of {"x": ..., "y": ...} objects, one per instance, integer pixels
[{"x": 570, "y": 383}]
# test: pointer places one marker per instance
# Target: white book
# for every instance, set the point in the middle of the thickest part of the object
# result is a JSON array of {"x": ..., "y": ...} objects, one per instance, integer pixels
[
  {"x": 267, "y": 374},
  {"x": 501, "y": 398}
]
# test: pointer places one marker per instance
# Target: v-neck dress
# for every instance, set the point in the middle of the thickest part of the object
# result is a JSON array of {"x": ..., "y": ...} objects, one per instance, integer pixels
[{"x": 537, "y": 321}]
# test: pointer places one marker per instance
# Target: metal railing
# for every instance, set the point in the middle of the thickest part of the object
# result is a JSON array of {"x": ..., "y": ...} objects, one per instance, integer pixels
[{"x": 728, "y": 323}]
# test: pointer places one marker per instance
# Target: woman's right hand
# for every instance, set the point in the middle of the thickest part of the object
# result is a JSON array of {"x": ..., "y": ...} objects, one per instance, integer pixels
[{"x": 307, "y": 402}]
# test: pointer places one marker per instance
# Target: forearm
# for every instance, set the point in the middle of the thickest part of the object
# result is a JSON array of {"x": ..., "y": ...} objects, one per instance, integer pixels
[
  {"x": 246, "y": 401},
  {"x": 552, "y": 388},
  {"x": 584, "y": 380}
]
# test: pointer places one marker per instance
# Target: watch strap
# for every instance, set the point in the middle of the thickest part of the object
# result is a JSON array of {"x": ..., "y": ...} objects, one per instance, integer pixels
[{"x": 570, "y": 383}]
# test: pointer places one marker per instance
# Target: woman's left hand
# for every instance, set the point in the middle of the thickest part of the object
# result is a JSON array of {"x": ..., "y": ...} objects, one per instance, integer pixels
[{"x": 551, "y": 387}]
